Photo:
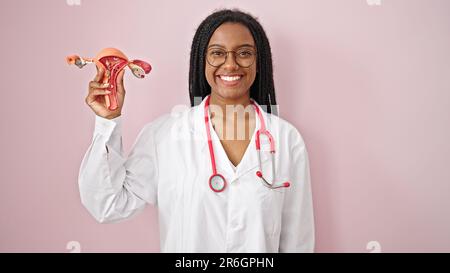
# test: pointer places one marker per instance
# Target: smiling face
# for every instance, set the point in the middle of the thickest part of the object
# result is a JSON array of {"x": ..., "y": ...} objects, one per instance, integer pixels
[{"x": 231, "y": 81}]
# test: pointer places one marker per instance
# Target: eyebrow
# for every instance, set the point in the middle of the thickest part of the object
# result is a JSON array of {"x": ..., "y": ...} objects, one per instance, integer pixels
[{"x": 243, "y": 45}]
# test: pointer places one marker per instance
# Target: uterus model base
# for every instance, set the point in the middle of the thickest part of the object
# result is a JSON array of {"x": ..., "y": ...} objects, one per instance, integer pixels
[{"x": 112, "y": 61}]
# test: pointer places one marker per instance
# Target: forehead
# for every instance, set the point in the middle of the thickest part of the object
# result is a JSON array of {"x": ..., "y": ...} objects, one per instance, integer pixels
[{"x": 231, "y": 35}]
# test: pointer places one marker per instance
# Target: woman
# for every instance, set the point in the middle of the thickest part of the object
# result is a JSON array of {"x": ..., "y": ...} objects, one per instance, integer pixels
[{"x": 215, "y": 191}]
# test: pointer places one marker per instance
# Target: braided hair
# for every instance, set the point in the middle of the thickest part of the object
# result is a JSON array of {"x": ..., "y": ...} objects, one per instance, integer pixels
[{"x": 262, "y": 89}]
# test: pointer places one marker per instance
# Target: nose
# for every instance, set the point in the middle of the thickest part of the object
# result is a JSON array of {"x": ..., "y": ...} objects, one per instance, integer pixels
[{"x": 230, "y": 62}]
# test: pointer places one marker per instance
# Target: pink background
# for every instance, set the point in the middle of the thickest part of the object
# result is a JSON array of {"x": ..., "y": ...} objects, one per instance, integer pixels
[{"x": 367, "y": 86}]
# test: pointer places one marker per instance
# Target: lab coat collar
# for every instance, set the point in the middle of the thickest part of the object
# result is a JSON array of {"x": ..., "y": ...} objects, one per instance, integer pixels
[{"x": 248, "y": 163}]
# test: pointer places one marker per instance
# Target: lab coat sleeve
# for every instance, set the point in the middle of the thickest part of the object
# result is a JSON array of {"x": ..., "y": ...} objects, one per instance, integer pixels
[
  {"x": 297, "y": 230},
  {"x": 113, "y": 187}
]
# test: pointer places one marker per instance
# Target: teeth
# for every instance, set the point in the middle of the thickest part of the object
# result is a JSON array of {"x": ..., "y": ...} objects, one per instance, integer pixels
[{"x": 229, "y": 79}]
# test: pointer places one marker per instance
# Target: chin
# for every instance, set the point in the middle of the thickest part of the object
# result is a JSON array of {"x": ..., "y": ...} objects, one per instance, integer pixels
[{"x": 231, "y": 94}]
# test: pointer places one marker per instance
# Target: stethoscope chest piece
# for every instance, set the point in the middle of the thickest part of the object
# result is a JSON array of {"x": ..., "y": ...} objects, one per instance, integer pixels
[{"x": 217, "y": 183}]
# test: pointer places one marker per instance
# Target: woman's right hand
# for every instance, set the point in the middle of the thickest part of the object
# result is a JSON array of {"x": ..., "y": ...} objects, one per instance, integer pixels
[{"x": 96, "y": 95}]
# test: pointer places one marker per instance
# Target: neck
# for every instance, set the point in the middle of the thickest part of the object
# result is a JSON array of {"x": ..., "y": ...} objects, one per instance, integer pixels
[
  {"x": 232, "y": 119},
  {"x": 220, "y": 104}
]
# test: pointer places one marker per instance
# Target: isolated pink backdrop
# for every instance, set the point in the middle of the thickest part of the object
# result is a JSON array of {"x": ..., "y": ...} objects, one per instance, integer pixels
[{"x": 367, "y": 86}]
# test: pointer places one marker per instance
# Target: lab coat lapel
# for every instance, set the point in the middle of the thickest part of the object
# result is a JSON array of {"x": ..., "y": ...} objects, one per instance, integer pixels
[
  {"x": 198, "y": 130},
  {"x": 222, "y": 162},
  {"x": 249, "y": 162}
]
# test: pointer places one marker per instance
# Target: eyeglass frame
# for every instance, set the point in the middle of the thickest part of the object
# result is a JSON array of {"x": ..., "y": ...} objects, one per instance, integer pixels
[{"x": 226, "y": 57}]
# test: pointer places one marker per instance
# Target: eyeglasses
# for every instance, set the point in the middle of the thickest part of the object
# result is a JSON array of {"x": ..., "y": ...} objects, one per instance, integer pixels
[{"x": 244, "y": 57}]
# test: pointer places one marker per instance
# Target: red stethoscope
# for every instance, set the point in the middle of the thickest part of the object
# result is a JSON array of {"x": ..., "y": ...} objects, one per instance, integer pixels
[{"x": 217, "y": 182}]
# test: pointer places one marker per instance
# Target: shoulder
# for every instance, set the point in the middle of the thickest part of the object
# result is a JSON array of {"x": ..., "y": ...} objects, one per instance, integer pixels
[{"x": 285, "y": 130}]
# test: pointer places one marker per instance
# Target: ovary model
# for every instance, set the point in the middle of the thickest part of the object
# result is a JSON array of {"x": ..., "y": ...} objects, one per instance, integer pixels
[{"x": 112, "y": 61}]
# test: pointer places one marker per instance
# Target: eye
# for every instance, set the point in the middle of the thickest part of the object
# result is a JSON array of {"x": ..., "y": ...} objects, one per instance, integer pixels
[
  {"x": 217, "y": 53},
  {"x": 245, "y": 53}
]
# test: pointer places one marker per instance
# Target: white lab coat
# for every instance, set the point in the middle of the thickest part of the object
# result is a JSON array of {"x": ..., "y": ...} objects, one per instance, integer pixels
[{"x": 169, "y": 166}]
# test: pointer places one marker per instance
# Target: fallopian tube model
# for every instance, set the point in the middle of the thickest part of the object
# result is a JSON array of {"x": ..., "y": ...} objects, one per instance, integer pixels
[{"x": 112, "y": 61}]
